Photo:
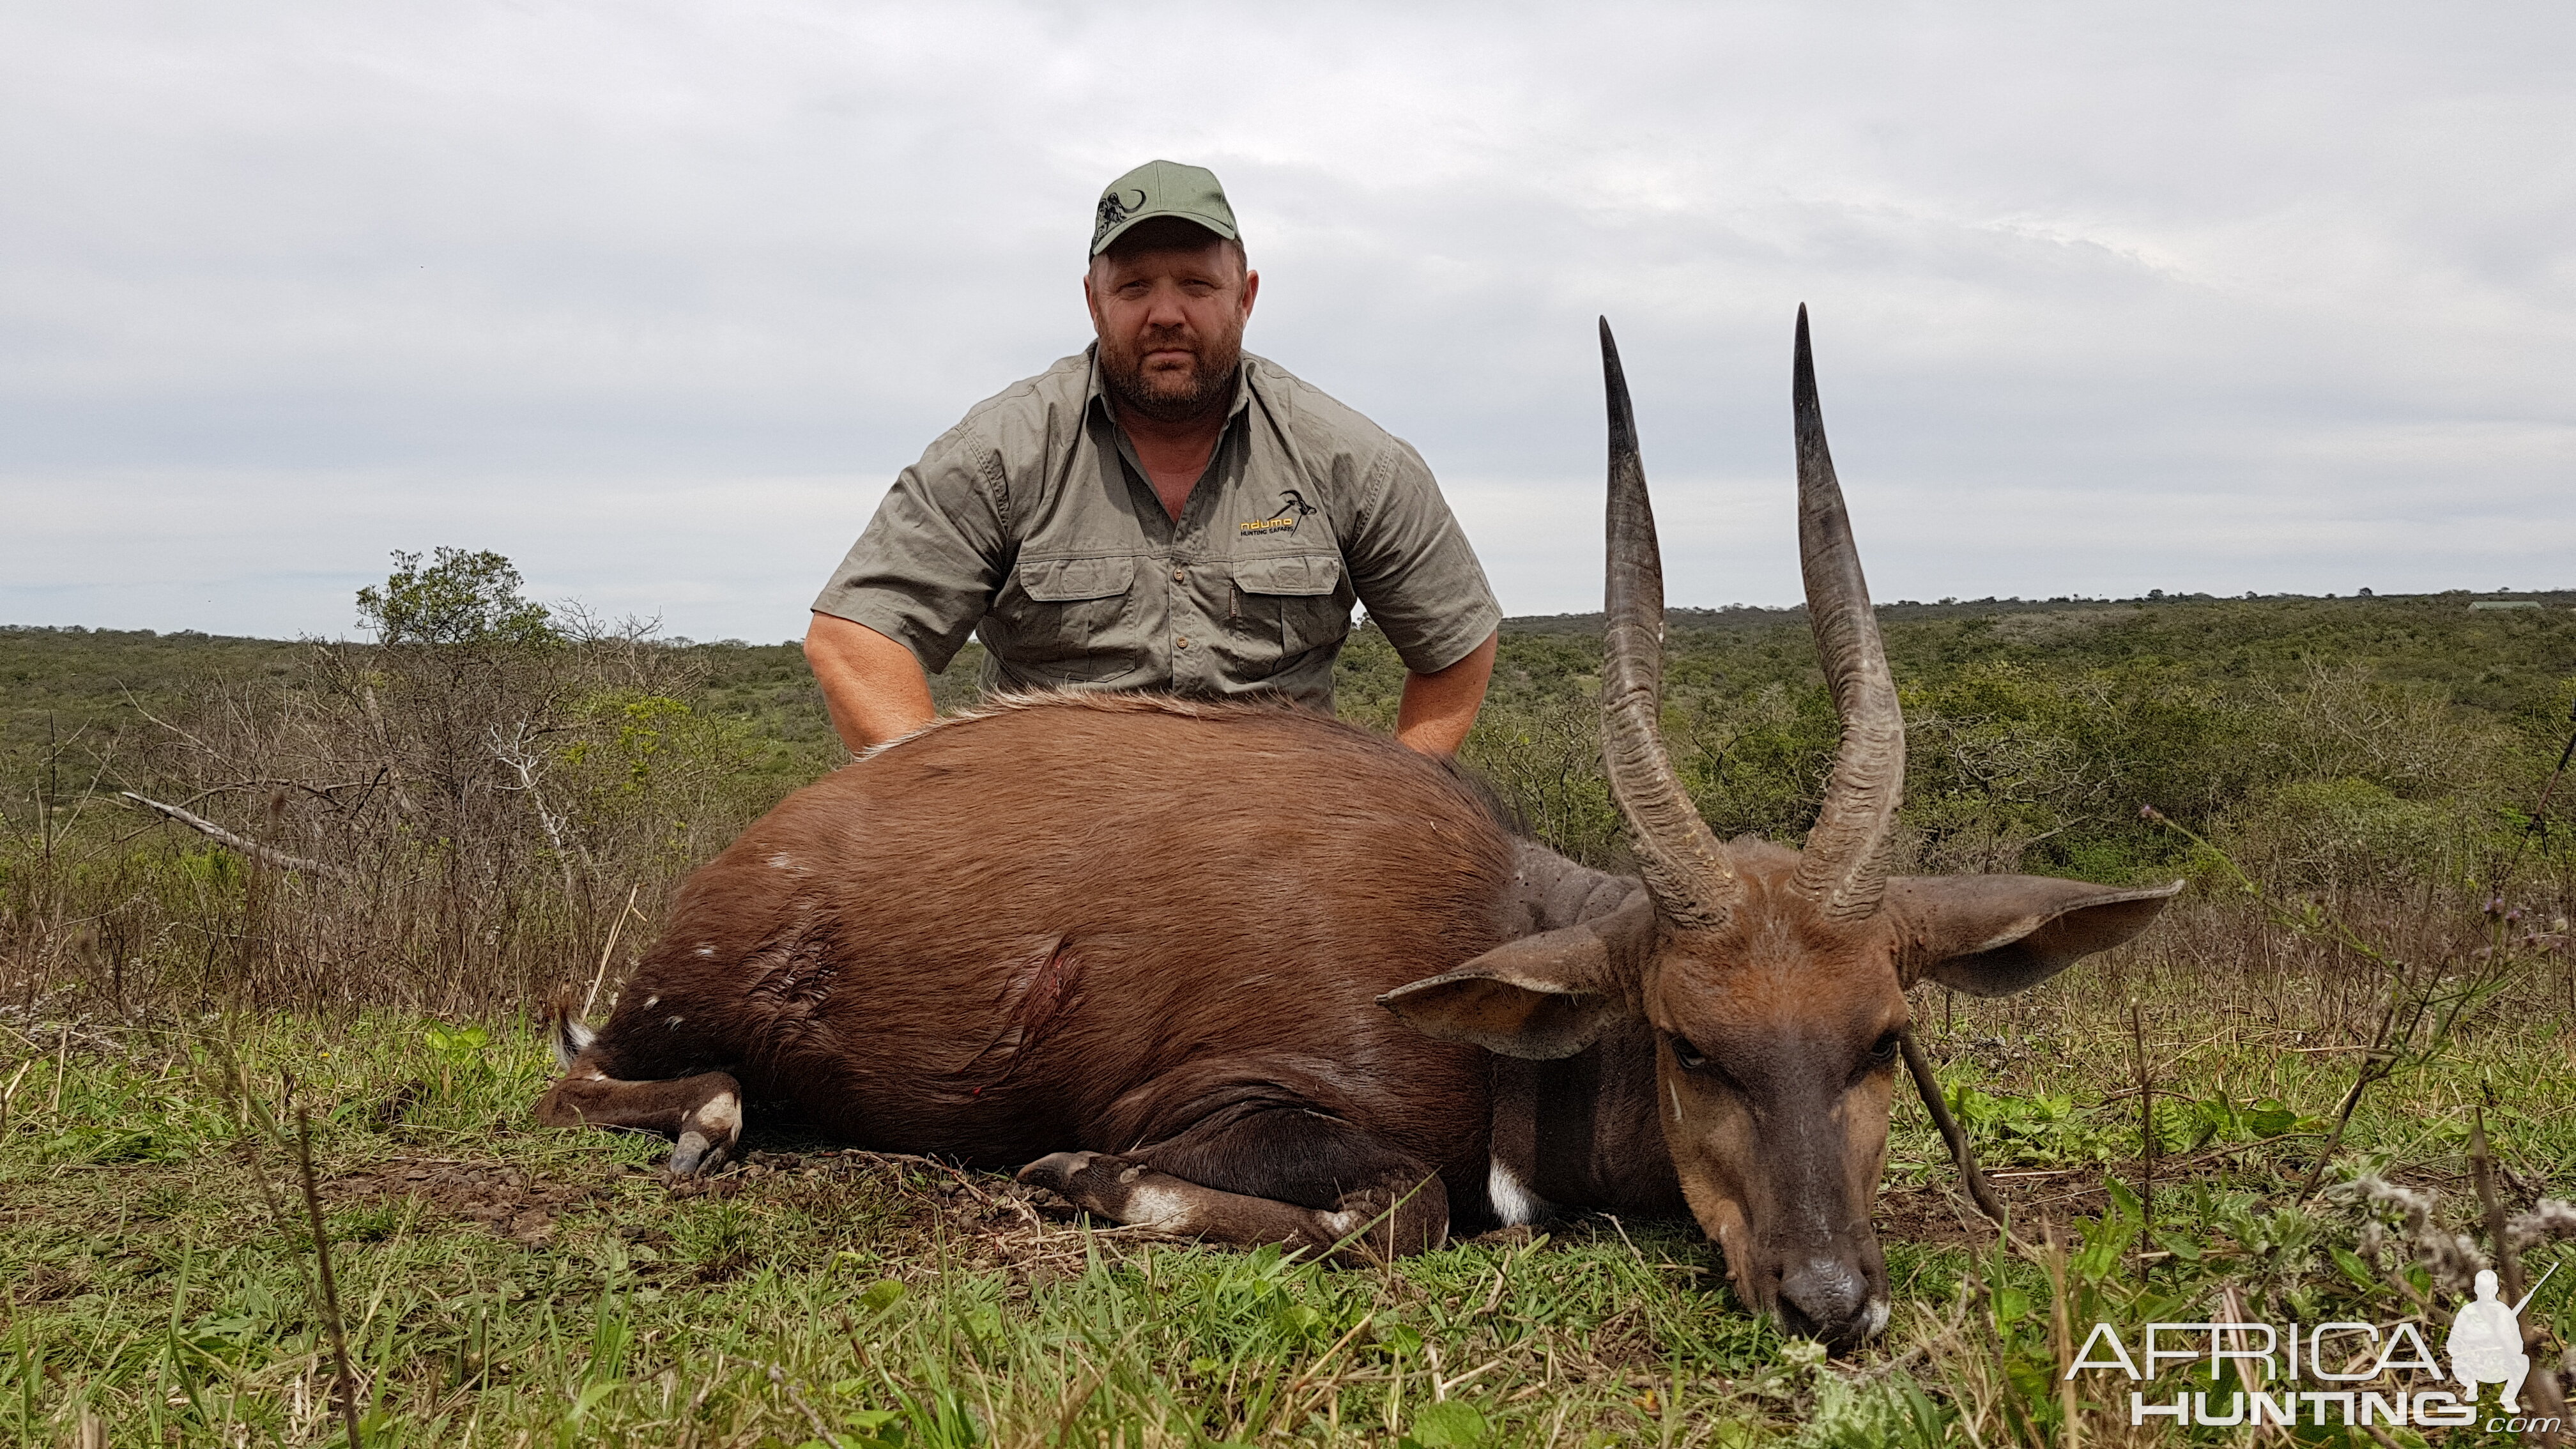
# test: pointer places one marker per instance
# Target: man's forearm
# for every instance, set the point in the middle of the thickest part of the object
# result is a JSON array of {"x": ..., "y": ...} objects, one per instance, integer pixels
[
  {"x": 872, "y": 685},
  {"x": 1438, "y": 709}
]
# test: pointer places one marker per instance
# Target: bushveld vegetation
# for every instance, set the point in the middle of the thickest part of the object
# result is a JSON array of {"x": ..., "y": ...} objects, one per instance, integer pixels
[{"x": 2325, "y": 1087}]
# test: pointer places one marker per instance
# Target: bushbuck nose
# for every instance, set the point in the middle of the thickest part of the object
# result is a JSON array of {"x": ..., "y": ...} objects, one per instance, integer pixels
[{"x": 1823, "y": 1298}]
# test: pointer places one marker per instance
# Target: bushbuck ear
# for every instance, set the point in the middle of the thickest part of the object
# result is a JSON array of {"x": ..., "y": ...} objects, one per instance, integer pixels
[
  {"x": 1993, "y": 935},
  {"x": 1543, "y": 996}
]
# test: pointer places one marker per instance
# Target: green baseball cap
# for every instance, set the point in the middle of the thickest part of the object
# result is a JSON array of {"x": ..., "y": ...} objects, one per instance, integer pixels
[{"x": 1162, "y": 188}]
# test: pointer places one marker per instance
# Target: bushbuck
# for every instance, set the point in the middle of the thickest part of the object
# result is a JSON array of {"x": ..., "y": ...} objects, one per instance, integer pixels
[{"x": 1246, "y": 973}]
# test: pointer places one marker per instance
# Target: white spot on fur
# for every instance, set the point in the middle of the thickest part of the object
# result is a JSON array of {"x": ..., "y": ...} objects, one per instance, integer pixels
[
  {"x": 706, "y": 950},
  {"x": 1877, "y": 1320},
  {"x": 1513, "y": 1202},
  {"x": 724, "y": 1114},
  {"x": 1342, "y": 1225},
  {"x": 674, "y": 1021},
  {"x": 651, "y": 1001},
  {"x": 782, "y": 861},
  {"x": 1164, "y": 1209},
  {"x": 1676, "y": 1090}
]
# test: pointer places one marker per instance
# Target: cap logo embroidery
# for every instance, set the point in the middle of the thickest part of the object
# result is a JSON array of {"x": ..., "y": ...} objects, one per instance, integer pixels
[{"x": 1114, "y": 208}]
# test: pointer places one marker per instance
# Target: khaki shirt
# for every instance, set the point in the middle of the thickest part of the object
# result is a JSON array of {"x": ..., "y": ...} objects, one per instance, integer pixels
[{"x": 1032, "y": 524}]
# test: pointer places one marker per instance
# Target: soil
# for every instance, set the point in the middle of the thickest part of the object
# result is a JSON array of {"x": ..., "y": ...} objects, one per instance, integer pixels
[{"x": 512, "y": 1201}]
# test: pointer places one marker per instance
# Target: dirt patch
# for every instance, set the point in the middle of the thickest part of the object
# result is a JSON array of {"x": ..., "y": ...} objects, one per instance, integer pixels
[
  {"x": 1938, "y": 1215},
  {"x": 510, "y": 1200},
  {"x": 925, "y": 1210},
  {"x": 46, "y": 1283}
]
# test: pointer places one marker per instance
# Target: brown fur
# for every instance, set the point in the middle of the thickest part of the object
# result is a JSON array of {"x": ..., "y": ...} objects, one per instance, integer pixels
[
  {"x": 1091, "y": 922},
  {"x": 1141, "y": 945}
]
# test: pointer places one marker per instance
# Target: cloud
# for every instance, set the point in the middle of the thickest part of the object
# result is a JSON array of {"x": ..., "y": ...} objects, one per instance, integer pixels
[{"x": 656, "y": 297}]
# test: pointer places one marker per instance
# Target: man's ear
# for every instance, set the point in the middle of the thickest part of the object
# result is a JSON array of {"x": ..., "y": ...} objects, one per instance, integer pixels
[
  {"x": 1543, "y": 996},
  {"x": 1993, "y": 935}
]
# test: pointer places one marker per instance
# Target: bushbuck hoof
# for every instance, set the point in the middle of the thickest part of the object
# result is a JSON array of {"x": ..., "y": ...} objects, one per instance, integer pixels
[
  {"x": 1124, "y": 1190},
  {"x": 696, "y": 1155},
  {"x": 1061, "y": 1173}
]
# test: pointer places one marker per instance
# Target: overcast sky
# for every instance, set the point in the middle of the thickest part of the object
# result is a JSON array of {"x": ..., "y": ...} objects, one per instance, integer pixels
[{"x": 656, "y": 298}]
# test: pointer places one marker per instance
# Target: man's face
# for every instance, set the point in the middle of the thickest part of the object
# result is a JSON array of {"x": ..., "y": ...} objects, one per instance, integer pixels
[{"x": 1169, "y": 308}]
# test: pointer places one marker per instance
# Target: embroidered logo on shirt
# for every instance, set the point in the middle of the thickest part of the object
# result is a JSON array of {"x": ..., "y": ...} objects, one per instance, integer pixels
[{"x": 1292, "y": 507}]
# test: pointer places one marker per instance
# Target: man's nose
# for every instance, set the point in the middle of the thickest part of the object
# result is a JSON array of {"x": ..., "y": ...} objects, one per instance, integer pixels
[{"x": 1164, "y": 309}]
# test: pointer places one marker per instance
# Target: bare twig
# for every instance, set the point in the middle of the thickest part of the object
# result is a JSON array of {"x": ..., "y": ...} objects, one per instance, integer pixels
[
  {"x": 267, "y": 855},
  {"x": 517, "y": 751},
  {"x": 1980, "y": 1192},
  {"x": 2061, "y": 1333},
  {"x": 2233, "y": 1305},
  {"x": 2539, "y": 825},
  {"x": 608, "y": 950},
  {"x": 2146, "y": 1132},
  {"x": 2380, "y": 1063},
  {"x": 348, "y": 1385},
  {"x": 822, "y": 1430}
]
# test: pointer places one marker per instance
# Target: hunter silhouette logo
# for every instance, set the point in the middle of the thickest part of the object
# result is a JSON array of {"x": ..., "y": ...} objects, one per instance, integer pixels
[
  {"x": 2366, "y": 1374},
  {"x": 2486, "y": 1341}
]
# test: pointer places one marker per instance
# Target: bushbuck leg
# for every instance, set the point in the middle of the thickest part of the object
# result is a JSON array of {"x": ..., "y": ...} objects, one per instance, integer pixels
[
  {"x": 703, "y": 1112},
  {"x": 1283, "y": 1175}
]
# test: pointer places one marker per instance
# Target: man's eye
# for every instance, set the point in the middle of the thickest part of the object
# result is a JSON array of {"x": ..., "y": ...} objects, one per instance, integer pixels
[{"x": 1687, "y": 1057}]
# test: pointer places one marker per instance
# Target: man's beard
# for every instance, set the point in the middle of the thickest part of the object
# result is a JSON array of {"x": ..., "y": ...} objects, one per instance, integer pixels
[{"x": 1207, "y": 388}]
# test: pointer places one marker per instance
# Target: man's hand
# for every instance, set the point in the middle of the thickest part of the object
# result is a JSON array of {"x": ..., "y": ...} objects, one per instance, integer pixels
[
  {"x": 1439, "y": 709},
  {"x": 875, "y": 688}
]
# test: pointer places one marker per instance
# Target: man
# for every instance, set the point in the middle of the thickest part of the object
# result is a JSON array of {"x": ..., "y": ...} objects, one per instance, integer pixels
[
  {"x": 1160, "y": 512},
  {"x": 2486, "y": 1344}
]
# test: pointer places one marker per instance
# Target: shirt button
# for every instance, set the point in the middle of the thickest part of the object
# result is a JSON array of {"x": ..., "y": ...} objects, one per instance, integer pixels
[
  {"x": 1180, "y": 575},
  {"x": 1180, "y": 643}
]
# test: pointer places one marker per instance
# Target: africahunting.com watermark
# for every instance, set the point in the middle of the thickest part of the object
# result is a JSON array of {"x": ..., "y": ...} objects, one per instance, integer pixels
[{"x": 2367, "y": 1374}]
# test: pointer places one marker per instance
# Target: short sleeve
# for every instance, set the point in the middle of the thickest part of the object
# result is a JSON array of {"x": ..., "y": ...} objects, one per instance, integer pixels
[
  {"x": 925, "y": 570},
  {"x": 1412, "y": 567}
]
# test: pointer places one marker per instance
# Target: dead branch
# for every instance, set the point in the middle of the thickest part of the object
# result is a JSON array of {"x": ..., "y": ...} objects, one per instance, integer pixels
[
  {"x": 266, "y": 855},
  {"x": 1979, "y": 1191}
]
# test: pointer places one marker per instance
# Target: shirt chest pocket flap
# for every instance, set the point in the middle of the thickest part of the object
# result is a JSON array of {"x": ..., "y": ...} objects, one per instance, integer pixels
[
  {"x": 1297, "y": 596},
  {"x": 1076, "y": 605},
  {"x": 1072, "y": 580}
]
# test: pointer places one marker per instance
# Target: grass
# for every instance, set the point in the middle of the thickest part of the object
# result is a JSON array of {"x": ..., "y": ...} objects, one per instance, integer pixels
[
  {"x": 2150, "y": 1117},
  {"x": 506, "y": 1285}
]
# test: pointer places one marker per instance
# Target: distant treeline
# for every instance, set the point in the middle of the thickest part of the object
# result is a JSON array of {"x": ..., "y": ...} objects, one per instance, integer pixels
[{"x": 479, "y": 814}]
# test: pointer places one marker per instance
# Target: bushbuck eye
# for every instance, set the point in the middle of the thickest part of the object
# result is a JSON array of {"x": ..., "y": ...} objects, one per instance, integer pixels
[
  {"x": 1687, "y": 1056},
  {"x": 1884, "y": 1054}
]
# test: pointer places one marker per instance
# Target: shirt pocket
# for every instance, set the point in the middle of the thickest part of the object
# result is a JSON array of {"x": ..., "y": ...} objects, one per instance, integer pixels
[
  {"x": 1074, "y": 618},
  {"x": 1282, "y": 608}
]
